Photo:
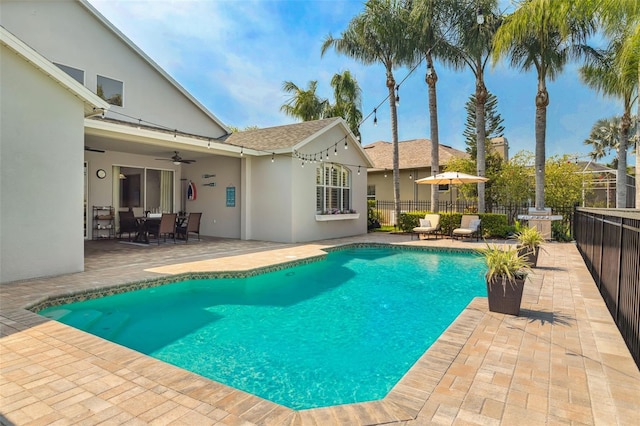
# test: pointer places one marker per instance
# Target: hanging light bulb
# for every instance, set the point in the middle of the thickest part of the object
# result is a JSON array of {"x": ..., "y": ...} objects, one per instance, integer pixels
[
  {"x": 375, "y": 117},
  {"x": 327, "y": 154},
  {"x": 303, "y": 164},
  {"x": 429, "y": 70},
  {"x": 480, "y": 17},
  {"x": 335, "y": 149},
  {"x": 346, "y": 145},
  {"x": 385, "y": 172},
  {"x": 241, "y": 151},
  {"x": 398, "y": 95},
  {"x": 410, "y": 176},
  {"x": 209, "y": 144},
  {"x": 175, "y": 133},
  {"x": 358, "y": 170},
  {"x": 273, "y": 157}
]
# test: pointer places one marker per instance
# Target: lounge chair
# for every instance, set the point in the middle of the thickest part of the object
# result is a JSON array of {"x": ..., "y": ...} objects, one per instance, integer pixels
[
  {"x": 469, "y": 226},
  {"x": 430, "y": 225}
]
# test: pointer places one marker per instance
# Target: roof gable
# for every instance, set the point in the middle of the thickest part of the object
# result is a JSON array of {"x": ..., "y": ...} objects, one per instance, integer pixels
[{"x": 90, "y": 100}]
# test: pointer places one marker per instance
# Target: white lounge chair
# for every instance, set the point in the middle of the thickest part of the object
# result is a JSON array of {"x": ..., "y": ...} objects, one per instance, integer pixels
[
  {"x": 469, "y": 226},
  {"x": 430, "y": 225}
]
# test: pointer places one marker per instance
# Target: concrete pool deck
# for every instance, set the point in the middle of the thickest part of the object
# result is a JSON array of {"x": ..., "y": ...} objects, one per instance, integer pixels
[{"x": 562, "y": 361}]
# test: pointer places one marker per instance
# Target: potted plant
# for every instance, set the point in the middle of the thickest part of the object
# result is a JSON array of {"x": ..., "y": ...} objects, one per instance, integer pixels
[
  {"x": 507, "y": 271},
  {"x": 529, "y": 241}
]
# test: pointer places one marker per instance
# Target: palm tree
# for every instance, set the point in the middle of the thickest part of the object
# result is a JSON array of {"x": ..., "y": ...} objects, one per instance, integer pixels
[
  {"x": 348, "y": 100},
  {"x": 544, "y": 35},
  {"x": 429, "y": 18},
  {"x": 377, "y": 35},
  {"x": 604, "y": 136},
  {"x": 472, "y": 47},
  {"x": 303, "y": 104},
  {"x": 603, "y": 74},
  {"x": 625, "y": 14}
]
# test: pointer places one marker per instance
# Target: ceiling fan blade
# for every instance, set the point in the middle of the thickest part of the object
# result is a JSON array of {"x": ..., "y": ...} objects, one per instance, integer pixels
[{"x": 87, "y": 148}]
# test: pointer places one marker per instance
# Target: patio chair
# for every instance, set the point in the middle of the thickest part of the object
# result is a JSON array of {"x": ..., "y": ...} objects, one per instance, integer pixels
[
  {"x": 166, "y": 227},
  {"x": 128, "y": 224},
  {"x": 469, "y": 226},
  {"x": 430, "y": 225},
  {"x": 192, "y": 225}
]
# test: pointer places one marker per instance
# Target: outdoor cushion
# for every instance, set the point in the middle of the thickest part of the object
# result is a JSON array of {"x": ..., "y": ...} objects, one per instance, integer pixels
[
  {"x": 474, "y": 224},
  {"x": 425, "y": 223}
]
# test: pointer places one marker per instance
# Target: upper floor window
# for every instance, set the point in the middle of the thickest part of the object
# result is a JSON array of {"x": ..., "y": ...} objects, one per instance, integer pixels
[
  {"x": 110, "y": 90},
  {"x": 75, "y": 73},
  {"x": 333, "y": 189}
]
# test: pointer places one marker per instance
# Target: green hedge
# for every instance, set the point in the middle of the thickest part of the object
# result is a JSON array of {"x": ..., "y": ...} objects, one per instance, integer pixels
[{"x": 493, "y": 225}]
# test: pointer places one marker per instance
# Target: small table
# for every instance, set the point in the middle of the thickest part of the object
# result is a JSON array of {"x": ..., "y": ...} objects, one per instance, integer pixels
[{"x": 142, "y": 236}]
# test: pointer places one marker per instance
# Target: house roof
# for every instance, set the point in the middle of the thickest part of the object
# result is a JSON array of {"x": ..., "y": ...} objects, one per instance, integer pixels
[
  {"x": 291, "y": 137},
  {"x": 279, "y": 137},
  {"x": 90, "y": 100},
  {"x": 413, "y": 154},
  {"x": 150, "y": 61}
]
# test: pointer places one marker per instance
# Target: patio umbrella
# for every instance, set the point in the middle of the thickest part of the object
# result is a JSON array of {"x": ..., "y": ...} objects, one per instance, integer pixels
[{"x": 451, "y": 178}]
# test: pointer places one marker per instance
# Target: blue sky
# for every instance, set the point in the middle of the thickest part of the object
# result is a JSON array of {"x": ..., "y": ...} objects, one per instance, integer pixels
[{"x": 233, "y": 56}]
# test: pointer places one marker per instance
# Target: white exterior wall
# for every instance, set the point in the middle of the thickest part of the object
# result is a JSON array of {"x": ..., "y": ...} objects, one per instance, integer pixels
[
  {"x": 41, "y": 174},
  {"x": 66, "y": 33},
  {"x": 283, "y": 205}
]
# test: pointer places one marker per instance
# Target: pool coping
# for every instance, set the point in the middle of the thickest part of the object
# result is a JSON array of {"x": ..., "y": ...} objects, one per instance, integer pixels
[{"x": 401, "y": 402}]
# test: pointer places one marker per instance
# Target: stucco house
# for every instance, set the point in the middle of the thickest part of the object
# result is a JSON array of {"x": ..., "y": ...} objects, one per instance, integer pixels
[
  {"x": 92, "y": 121},
  {"x": 414, "y": 163}
]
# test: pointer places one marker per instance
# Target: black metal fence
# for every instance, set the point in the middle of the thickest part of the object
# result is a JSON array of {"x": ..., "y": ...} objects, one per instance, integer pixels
[
  {"x": 609, "y": 241},
  {"x": 386, "y": 210}
]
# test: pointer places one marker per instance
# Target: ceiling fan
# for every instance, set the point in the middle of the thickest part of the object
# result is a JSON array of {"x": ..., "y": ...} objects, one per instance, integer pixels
[{"x": 176, "y": 159}]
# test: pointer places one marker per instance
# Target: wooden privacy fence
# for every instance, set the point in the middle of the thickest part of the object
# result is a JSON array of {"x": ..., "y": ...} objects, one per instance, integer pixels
[{"x": 609, "y": 241}]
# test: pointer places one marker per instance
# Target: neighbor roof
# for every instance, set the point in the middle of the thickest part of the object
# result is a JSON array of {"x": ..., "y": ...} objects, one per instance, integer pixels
[
  {"x": 279, "y": 137},
  {"x": 413, "y": 154}
]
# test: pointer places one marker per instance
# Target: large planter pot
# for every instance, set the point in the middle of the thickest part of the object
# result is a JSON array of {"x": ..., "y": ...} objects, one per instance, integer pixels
[
  {"x": 504, "y": 296},
  {"x": 531, "y": 256}
]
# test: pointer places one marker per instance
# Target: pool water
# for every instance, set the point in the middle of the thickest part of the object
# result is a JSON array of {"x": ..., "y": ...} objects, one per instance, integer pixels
[{"x": 342, "y": 330}]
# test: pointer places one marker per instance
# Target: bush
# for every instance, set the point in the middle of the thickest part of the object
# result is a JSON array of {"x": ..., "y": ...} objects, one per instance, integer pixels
[
  {"x": 560, "y": 231},
  {"x": 410, "y": 220},
  {"x": 493, "y": 225}
]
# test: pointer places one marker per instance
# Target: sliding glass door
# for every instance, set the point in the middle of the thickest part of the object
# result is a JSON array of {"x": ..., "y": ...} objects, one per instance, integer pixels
[{"x": 143, "y": 189}]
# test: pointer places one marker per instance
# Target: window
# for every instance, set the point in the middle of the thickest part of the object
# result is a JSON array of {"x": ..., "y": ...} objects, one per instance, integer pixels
[
  {"x": 110, "y": 90},
  {"x": 147, "y": 189},
  {"x": 443, "y": 188},
  {"x": 75, "y": 73},
  {"x": 371, "y": 192},
  {"x": 333, "y": 188}
]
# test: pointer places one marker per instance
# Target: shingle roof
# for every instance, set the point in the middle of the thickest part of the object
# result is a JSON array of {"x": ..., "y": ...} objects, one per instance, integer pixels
[
  {"x": 415, "y": 153},
  {"x": 279, "y": 137}
]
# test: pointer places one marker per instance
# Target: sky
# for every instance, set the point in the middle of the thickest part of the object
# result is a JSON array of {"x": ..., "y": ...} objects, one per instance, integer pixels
[{"x": 234, "y": 55}]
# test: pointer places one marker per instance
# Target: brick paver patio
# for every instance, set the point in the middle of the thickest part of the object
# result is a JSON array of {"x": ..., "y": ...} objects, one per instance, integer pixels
[{"x": 562, "y": 361}]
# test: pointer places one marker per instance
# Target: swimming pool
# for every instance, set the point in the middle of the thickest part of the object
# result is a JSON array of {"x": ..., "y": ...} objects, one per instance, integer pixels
[{"x": 337, "y": 331}]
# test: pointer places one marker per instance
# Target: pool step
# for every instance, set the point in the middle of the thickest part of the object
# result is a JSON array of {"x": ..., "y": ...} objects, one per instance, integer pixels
[
  {"x": 81, "y": 319},
  {"x": 57, "y": 314},
  {"x": 109, "y": 324}
]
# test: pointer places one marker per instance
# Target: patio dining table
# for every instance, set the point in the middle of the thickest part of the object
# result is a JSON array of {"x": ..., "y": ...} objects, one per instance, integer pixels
[{"x": 146, "y": 222}]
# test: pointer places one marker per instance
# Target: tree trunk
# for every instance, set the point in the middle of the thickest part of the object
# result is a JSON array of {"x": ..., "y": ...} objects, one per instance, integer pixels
[
  {"x": 621, "y": 175},
  {"x": 432, "y": 78},
  {"x": 638, "y": 144},
  {"x": 542, "y": 101},
  {"x": 481, "y": 137},
  {"x": 391, "y": 85}
]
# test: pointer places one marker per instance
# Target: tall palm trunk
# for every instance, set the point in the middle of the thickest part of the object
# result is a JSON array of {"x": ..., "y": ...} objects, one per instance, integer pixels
[
  {"x": 542, "y": 101},
  {"x": 621, "y": 175},
  {"x": 481, "y": 137},
  {"x": 432, "y": 78},
  {"x": 391, "y": 85},
  {"x": 638, "y": 144}
]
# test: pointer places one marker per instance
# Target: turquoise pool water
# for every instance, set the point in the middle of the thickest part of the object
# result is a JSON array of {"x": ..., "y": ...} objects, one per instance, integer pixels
[{"x": 338, "y": 331}]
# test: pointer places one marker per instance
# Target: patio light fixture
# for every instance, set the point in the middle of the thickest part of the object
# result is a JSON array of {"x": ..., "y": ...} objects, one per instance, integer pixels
[{"x": 480, "y": 17}]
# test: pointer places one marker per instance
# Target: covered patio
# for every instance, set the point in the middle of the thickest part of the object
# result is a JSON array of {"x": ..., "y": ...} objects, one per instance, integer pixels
[{"x": 561, "y": 361}]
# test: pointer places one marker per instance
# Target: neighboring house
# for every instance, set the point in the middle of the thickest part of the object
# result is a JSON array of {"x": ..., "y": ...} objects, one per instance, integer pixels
[
  {"x": 414, "y": 163},
  {"x": 601, "y": 191},
  {"x": 250, "y": 185}
]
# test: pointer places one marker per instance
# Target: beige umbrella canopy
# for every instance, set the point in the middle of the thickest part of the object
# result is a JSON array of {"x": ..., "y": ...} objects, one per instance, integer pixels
[{"x": 451, "y": 178}]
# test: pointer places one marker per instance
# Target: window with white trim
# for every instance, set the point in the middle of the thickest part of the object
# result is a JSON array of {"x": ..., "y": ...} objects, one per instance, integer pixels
[{"x": 333, "y": 189}]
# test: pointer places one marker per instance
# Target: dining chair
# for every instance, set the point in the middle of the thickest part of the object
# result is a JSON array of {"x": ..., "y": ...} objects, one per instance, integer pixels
[
  {"x": 128, "y": 224},
  {"x": 167, "y": 227},
  {"x": 192, "y": 225}
]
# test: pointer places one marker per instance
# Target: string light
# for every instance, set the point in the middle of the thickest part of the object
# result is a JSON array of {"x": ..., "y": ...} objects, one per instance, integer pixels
[
  {"x": 358, "y": 170},
  {"x": 175, "y": 133},
  {"x": 327, "y": 154},
  {"x": 335, "y": 149},
  {"x": 375, "y": 117},
  {"x": 346, "y": 145},
  {"x": 480, "y": 17},
  {"x": 209, "y": 144},
  {"x": 398, "y": 95},
  {"x": 273, "y": 157},
  {"x": 241, "y": 151}
]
